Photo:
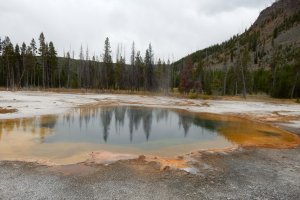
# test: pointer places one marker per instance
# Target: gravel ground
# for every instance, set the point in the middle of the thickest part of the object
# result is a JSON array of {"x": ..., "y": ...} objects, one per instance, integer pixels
[{"x": 243, "y": 174}]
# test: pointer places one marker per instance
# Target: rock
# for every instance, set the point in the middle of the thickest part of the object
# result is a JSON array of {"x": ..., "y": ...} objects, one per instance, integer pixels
[{"x": 142, "y": 158}]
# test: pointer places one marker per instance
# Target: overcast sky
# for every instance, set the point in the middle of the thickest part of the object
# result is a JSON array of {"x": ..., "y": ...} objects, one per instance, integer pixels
[{"x": 174, "y": 27}]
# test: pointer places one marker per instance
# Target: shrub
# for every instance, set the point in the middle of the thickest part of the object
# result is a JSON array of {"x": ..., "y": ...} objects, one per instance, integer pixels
[{"x": 192, "y": 95}]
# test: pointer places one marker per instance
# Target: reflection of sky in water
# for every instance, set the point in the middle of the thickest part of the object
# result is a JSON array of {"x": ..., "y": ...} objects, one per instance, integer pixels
[{"x": 130, "y": 125}]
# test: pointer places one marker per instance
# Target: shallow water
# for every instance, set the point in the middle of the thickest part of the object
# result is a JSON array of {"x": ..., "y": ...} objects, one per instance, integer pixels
[{"x": 68, "y": 137}]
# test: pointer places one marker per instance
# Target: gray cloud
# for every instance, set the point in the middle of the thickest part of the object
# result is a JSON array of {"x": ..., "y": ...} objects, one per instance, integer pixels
[
  {"x": 221, "y": 6},
  {"x": 174, "y": 27}
]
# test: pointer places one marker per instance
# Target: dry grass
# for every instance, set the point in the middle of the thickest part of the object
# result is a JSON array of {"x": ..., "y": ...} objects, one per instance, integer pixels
[{"x": 251, "y": 98}]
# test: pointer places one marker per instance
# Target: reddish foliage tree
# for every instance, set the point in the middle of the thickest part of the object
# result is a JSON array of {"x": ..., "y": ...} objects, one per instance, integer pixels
[{"x": 186, "y": 76}]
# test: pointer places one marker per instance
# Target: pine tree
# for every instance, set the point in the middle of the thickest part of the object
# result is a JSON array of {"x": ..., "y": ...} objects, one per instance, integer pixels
[
  {"x": 146, "y": 73},
  {"x": 139, "y": 64},
  {"x": 8, "y": 58},
  {"x": 296, "y": 66},
  {"x": 86, "y": 69},
  {"x": 81, "y": 66},
  {"x": 52, "y": 65},
  {"x": 34, "y": 52},
  {"x": 244, "y": 67},
  {"x": 0, "y": 47},
  {"x": 166, "y": 77},
  {"x": 42, "y": 52},
  {"x": 149, "y": 69},
  {"x": 108, "y": 65},
  {"x": 158, "y": 75},
  {"x": 33, "y": 47},
  {"x": 68, "y": 69},
  {"x": 18, "y": 64},
  {"x": 29, "y": 65},
  {"x": 1, "y": 65},
  {"x": 23, "y": 63},
  {"x": 225, "y": 71},
  {"x": 276, "y": 61},
  {"x": 119, "y": 72},
  {"x": 133, "y": 68},
  {"x": 47, "y": 66}
]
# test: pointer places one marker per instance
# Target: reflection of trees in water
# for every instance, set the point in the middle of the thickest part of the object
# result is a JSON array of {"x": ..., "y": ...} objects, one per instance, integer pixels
[
  {"x": 85, "y": 115},
  {"x": 38, "y": 125},
  {"x": 80, "y": 119},
  {"x": 186, "y": 122},
  {"x": 7, "y": 126},
  {"x": 11, "y": 125},
  {"x": 119, "y": 117},
  {"x": 211, "y": 125},
  {"x": 135, "y": 117},
  {"x": 95, "y": 116},
  {"x": 47, "y": 124},
  {"x": 161, "y": 114},
  {"x": 87, "y": 119},
  {"x": 68, "y": 119},
  {"x": 106, "y": 115},
  {"x": 147, "y": 122},
  {"x": 24, "y": 124},
  {"x": 48, "y": 121}
]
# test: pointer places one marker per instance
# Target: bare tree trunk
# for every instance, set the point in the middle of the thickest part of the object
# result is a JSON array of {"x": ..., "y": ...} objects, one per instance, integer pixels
[
  {"x": 294, "y": 85},
  {"x": 59, "y": 79},
  {"x": 236, "y": 87},
  {"x": 20, "y": 80},
  {"x": 8, "y": 74},
  {"x": 34, "y": 76},
  {"x": 68, "y": 71},
  {"x": 225, "y": 80},
  {"x": 24, "y": 69},
  {"x": 27, "y": 80},
  {"x": 43, "y": 61},
  {"x": 13, "y": 78},
  {"x": 244, "y": 83},
  {"x": 274, "y": 78}
]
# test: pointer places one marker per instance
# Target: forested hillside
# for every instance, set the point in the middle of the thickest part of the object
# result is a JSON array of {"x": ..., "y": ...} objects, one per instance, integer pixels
[{"x": 264, "y": 59}]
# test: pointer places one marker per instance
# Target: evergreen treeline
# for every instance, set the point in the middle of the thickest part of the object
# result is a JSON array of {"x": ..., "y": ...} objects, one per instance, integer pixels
[
  {"x": 37, "y": 65},
  {"x": 27, "y": 65}
]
